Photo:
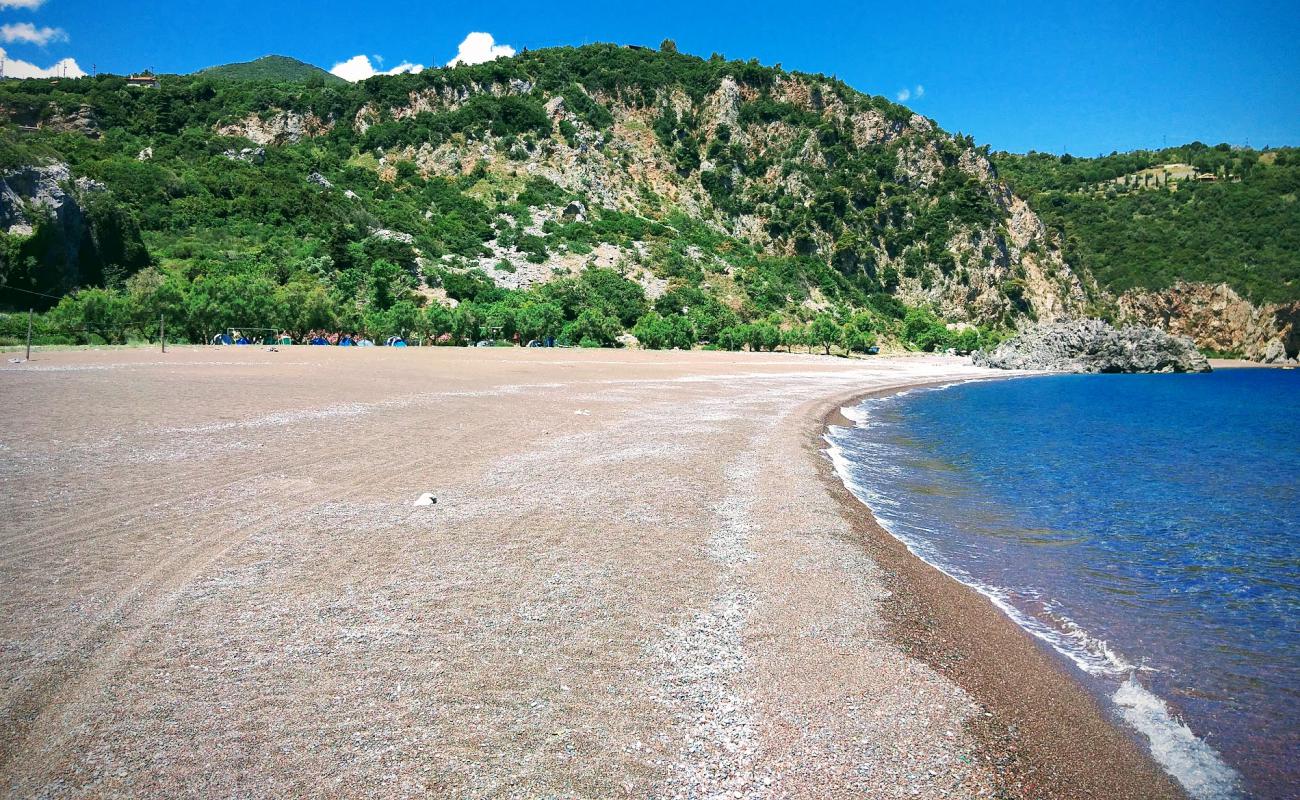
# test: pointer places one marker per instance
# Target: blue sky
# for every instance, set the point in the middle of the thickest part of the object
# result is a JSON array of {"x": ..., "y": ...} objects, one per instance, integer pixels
[{"x": 1087, "y": 77}]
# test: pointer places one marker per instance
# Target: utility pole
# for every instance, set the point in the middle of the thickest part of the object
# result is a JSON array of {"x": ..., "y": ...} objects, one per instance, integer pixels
[
  {"x": 162, "y": 332},
  {"x": 29, "y": 334}
]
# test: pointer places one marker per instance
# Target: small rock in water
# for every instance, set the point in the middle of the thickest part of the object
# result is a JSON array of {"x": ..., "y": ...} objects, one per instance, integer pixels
[{"x": 426, "y": 499}]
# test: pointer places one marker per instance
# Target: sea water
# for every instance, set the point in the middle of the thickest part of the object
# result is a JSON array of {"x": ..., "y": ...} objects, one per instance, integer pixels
[{"x": 1146, "y": 528}]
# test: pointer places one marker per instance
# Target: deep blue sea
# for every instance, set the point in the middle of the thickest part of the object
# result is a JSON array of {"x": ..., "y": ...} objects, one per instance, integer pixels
[{"x": 1145, "y": 527}]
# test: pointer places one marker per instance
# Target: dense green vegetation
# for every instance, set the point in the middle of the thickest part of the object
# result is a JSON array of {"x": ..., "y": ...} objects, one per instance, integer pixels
[
  {"x": 800, "y": 232},
  {"x": 234, "y": 236},
  {"x": 275, "y": 69},
  {"x": 1128, "y": 219}
]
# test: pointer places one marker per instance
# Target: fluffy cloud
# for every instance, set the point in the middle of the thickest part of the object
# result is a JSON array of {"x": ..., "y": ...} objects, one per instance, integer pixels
[
  {"x": 31, "y": 5},
  {"x": 17, "y": 68},
  {"x": 27, "y": 32},
  {"x": 480, "y": 47},
  {"x": 358, "y": 68},
  {"x": 906, "y": 94}
]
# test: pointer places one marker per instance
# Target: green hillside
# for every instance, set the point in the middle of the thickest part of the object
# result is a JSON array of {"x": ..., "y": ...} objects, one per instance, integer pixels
[
  {"x": 277, "y": 69},
  {"x": 581, "y": 193},
  {"x": 1133, "y": 220}
]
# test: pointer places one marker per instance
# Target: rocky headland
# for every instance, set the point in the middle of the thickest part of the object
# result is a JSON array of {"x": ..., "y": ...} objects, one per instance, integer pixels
[{"x": 1091, "y": 345}]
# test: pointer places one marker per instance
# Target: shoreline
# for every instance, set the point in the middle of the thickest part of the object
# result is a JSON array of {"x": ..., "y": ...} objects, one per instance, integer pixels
[{"x": 1042, "y": 734}]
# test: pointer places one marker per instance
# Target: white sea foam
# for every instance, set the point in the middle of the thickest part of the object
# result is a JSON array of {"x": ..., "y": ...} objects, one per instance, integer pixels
[
  {"x": 1200, "y": 770},
  {"x": 1190, "y": 760}
]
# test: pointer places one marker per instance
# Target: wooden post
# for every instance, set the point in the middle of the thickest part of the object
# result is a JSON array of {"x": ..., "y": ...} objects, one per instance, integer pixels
[
  {"x": 29, "y": 334},
  {"x": 162, "y": 332}
]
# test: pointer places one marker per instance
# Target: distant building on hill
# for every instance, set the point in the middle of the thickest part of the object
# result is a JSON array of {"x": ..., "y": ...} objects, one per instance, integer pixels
[{"x": 144, "y": 81}]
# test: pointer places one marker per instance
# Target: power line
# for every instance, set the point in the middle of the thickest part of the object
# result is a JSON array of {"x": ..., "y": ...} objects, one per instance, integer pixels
[{"x": 29, "y": 291}]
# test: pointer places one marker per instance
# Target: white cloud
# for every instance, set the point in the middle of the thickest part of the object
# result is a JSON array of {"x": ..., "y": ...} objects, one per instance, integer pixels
[
  {"x": 31, "y": 5},
  {"x": 27, "y": 32},
  {"x": 906, "y": 94},
  {"x": 358, "y": 68},
  {"x": 480, "y": 47},
  {"x": 64, "y": 68}
]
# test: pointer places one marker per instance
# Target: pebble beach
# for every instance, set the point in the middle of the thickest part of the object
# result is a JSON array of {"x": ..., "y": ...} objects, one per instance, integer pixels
[{"x": 641, "y": 578}]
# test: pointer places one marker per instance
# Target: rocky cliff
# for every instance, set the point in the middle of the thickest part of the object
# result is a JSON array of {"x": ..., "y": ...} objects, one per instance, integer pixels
[
  {"x": 61, "y": 232},
  {"x": 1219, "y": 319}
]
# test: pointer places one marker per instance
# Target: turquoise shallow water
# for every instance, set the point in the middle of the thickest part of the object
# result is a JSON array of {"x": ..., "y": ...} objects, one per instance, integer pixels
[{"x": 1146, "y": 528}]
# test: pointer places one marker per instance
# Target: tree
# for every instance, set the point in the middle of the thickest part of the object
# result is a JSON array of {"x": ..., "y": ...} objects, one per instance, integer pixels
[
  {"x": 856, "y": 339},
  {"x": 967, "y": 341},
  {"x": 539, "y": 320},
  {"x": 151, "y": 294},
  {"x": 465, "y": 323},
  {"x": 924, "y": 331},
  {"x": 795, "y": 335},
  {"x": 592, "y": 328},
  {"x": 306, "y": 305},
  {"x": 668, "y": 46},
  {"x": 436, "y": 320},
  {"x": 383, "y": 275},
  {"x": 825, "y": 331},
  {"x": 732, "y": 337},
  {"x": 97, "y": 312},
  {"x": 763, "y": 336},
  {"x": 619, "y": 297}
]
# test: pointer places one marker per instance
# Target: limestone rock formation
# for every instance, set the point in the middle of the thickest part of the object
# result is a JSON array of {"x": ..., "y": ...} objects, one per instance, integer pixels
[
  {"x": 277, "y": 129},
  {"x": 70, "y": 230},
  {"x": 1217, "y": 318},
  {"x": 1092, "y": 345}
]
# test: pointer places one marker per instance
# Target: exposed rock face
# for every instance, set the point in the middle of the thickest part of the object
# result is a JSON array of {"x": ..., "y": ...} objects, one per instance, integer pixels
[
  {"x": 71, "y": 230},
  {"x": 1003, "y": 271},
  {"x": 393, "y": 236},
  {"x": 252, "y": 155},
  {"x": 1217, "y": 318},
  {"x": 82, "y": 121},
  {"x": 284, "y": 127},
  {"x": 1091, "y": 345},
  {"x": 45, "y": 191}
]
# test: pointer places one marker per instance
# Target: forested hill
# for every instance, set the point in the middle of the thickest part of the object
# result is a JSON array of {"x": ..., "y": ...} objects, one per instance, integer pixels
[
  {"x": 275, "y": 69},
  {"x": 580, "y": 193},
  {"x": 1151, "y": 218}
]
